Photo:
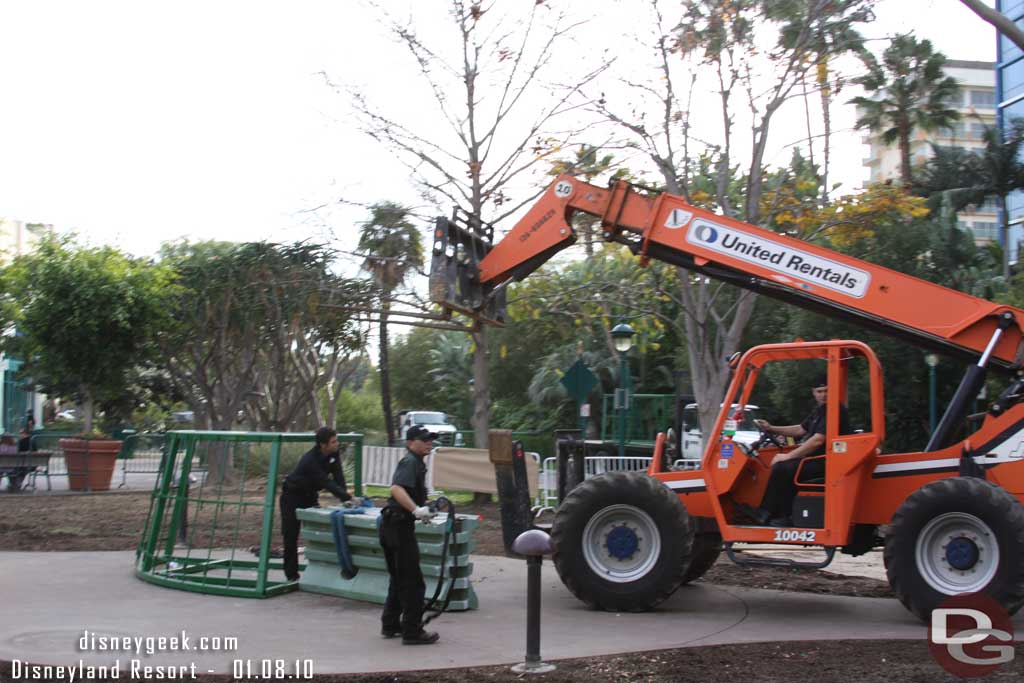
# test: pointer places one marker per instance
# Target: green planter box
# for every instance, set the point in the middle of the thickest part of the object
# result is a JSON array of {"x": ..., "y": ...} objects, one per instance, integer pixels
[{"x": 370, "y": 584}]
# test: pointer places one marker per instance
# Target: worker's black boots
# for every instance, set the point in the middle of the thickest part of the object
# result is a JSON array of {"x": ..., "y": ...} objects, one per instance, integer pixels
[{"x": 421, "y": 638}]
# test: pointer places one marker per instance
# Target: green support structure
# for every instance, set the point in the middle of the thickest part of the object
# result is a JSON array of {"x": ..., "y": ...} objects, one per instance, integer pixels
[
  {"x": 268, "y": 518},
  {"x": 157, "y": 505},
  {"x": 221, "y": 514},
  {"x": 357, "y": 475},
  {"x": 180, "y": 495}
]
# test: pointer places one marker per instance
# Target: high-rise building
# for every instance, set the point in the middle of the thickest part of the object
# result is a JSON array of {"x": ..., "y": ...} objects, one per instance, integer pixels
[
  {"x": 1010, "y": 105},
  {"x": 19, "y": 237},
  {"x": 977, "y": 110}
]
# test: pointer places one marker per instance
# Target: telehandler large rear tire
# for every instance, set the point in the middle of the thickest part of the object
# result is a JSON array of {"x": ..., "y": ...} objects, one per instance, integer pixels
[
  {"x": 622, "y": 541},
  {"x": 953, "y": 536}
]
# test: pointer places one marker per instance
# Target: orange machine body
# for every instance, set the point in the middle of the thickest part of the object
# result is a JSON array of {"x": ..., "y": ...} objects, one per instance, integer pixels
[{"x": 862, "y": 485}]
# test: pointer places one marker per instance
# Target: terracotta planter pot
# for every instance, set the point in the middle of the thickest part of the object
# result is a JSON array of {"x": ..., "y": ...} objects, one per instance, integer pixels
[{"x": 90, "y": 463}]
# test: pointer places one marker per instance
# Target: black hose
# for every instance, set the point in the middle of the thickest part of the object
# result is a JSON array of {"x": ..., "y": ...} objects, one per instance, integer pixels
[{"x": 451, "y": 529}]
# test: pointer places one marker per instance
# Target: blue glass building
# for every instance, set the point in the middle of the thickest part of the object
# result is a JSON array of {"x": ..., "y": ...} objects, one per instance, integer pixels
[{"x": 1010, "y": 105}]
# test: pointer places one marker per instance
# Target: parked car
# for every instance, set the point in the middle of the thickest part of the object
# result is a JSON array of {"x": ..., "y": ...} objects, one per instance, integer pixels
[{"x": 435, "y": 421}]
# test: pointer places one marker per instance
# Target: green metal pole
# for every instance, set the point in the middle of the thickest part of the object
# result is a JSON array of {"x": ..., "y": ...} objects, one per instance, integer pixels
[
  {"x": 161, "y": 501},
  {"x": 931, "y": 398},
  {"x": 268, "y": 518},
  {"x": 181, "y": 494},
  {"x": 623, "y": 388},
  {"x": 357, "y": 476}
]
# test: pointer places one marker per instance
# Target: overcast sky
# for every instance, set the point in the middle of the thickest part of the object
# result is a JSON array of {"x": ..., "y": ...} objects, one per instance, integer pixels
[{"x": 135, "y": 123}]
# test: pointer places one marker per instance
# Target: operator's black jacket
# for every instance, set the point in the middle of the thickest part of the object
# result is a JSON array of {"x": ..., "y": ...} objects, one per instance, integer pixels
[{"x": 314, "y": 472}]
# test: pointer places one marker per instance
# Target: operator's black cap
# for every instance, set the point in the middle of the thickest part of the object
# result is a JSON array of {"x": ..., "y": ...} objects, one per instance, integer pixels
[
  {"x": 419, "y": 433},
  {"x": 819, "y": 382}
]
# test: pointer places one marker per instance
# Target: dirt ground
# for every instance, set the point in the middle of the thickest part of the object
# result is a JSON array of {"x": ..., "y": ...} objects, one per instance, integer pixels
[{"x": 114, "y": 522}]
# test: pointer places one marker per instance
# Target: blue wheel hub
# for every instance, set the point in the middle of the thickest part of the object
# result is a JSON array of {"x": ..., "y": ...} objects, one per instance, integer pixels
[
  {"x": 962, "y": 553},
  {"x": 622, "y": 542}
]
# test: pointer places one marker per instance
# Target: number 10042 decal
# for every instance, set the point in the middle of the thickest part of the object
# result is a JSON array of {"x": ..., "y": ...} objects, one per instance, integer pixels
[{"x": 791, "y": 535}]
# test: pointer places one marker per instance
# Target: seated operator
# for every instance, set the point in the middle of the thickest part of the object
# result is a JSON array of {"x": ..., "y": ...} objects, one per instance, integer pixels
[{"x": 777, "y": 504}]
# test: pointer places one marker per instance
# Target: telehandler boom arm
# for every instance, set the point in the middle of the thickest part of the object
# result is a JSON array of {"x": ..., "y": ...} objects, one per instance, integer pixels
[{"x": 664, "y": 227}]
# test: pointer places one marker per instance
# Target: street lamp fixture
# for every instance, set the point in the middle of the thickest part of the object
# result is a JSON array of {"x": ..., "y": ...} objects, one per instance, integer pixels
[{"x": 622, "y": 337}]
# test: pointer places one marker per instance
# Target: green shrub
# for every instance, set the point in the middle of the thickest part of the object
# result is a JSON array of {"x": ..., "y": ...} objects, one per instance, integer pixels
[{"x": 359, "y": 412}]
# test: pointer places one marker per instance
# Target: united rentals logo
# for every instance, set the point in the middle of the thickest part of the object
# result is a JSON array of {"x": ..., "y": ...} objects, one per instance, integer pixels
[
  {"x": 971, "y": 635},
  {"x": 780, "y": 258}
]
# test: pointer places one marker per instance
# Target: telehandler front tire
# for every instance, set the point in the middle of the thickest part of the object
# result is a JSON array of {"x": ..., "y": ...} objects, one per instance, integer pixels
[
  {"x": 706, "y": 549},
  {"x": 622, "y": 541},
  {"x": 954, "y": 536}
]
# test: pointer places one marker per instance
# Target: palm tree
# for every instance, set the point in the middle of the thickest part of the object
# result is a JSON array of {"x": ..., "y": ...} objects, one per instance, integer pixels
[
  {"x": 391, "y": 248},
  {"x": 833, "y": 34},
  {"x": 965, "y": 178},
  {"x": 906, "y": 91}
]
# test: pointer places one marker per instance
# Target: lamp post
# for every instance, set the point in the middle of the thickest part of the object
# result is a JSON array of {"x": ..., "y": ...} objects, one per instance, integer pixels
[
  {"x": 622, "y": 337},
  {"x": 931, "y": 360}
]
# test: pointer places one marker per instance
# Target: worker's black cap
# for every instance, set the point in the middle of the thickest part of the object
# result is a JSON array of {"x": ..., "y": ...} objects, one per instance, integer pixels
[
  {"x": 819, "y": 382},
  {"x": 420, "y": 433}
]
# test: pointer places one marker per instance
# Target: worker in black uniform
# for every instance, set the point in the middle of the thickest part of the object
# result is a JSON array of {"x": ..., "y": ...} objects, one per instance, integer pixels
[
  {"x": 319, "y": 468},
  {"x": 777, "y": 504},
  {"x": 403, "y": 609}
]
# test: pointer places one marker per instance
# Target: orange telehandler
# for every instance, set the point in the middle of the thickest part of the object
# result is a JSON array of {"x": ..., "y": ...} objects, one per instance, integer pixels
[{"x": 952, "y": 514}]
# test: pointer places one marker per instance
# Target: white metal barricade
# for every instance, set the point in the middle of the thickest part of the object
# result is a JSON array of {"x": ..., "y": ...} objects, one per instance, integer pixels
[
  {"x": 379, "y": 464},
  {"x": 592, "y": 465}
]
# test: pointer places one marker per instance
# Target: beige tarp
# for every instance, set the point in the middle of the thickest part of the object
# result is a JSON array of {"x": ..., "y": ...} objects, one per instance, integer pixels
[{"x": 470, "y": 469}]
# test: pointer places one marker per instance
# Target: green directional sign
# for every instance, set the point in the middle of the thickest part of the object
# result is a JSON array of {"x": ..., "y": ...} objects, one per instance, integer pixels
[{"x": 579, "y": 381}]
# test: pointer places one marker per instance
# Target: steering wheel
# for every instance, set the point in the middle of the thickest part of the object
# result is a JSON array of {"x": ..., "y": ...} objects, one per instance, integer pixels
[{"x": 769, "y": 438}]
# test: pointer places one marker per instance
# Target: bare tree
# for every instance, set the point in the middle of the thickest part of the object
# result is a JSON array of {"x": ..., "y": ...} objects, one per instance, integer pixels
[
  {"x": 501, "y": 118},
  {"x": 716, "y": 41}
]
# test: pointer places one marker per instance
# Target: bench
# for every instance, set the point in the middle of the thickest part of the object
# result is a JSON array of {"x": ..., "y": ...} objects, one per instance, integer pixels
[{"x": 17, "y": 466}]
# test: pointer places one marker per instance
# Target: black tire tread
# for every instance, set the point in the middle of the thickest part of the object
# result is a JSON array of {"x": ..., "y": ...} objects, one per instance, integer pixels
[
  {"x": 1007, "y": 508},
  {"x": 706, "y": 549},
  {"x": 610, "y": 486}
]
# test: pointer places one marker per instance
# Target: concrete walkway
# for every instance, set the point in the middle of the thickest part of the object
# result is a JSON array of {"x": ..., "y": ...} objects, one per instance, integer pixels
[{"x": 51, "y": 599}]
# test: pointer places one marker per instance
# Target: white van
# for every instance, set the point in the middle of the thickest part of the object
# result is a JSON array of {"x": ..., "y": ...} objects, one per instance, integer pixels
[
  {"x": 435, "y": 421},
  {"x": 693, "y": 441}
]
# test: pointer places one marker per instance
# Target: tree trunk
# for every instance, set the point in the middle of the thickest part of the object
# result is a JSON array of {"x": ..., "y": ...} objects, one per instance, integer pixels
[
  {"x": 905, "y": 172},
  {"x": 481, "y": 389},
  {"x": 826, "y": 117},
  {"x": 997, "y": 19},
  {"x": 385, "y": 376},
  {"x": 219, "y": 456}
]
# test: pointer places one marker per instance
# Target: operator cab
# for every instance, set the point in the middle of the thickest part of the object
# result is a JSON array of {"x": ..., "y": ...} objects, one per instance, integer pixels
[{"x": 738, "y": 475}]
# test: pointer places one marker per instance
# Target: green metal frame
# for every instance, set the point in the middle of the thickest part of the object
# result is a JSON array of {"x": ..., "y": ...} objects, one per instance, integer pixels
[
  {"x": 648, "y": 413},
  {"x": 160, "y": 562}
]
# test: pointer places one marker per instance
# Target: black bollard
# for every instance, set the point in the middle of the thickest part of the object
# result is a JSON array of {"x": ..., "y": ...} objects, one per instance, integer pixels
[{"x": 534, "y": 544}]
